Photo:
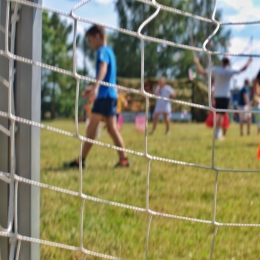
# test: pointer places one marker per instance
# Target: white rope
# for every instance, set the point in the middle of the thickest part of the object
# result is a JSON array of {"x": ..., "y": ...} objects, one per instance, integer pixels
[
  {"x": 4, "y": 81},
  {"x": 213, "y": 242},
  {"x": 5, "y": 177},
  {"x": 4, "y": 130},
  {"x": 2, "y": 29},
  {"x": 13, "y": 179}
]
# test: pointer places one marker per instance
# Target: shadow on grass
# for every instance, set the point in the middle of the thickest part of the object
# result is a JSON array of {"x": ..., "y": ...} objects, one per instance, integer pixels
[
  {"x": 252, "y": 144},
  {"x": 210, "y": 147},
  {"x": 234, "y": 145},
  {"x": 59, "y": 169}
]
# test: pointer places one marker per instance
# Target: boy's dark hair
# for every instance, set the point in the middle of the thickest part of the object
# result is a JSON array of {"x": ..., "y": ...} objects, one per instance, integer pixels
[
  {"x": 96, "y": 29},
  {"x": 258, "y": 75},
  {"x": 246, "y": 81},
  {"x": 225, "y": 61}
]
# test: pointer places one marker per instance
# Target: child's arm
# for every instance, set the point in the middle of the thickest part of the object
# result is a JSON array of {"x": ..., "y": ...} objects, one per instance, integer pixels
[
  {"x": 100, "y": 77},
  {"x": 157, "y": 91},
  {"x": 200, "y": 68},
  {"x": 172, "y": 93},
  {"x": 246, "y": 65},
  {"x": 125, "y": 103}
]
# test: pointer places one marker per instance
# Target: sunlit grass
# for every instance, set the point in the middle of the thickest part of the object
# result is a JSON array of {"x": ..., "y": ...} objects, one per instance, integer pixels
[{"x": 174, "y": 189}]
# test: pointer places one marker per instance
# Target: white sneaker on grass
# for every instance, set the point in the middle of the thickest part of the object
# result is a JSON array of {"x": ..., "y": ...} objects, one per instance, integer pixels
[{"x": 219, "y": 136}]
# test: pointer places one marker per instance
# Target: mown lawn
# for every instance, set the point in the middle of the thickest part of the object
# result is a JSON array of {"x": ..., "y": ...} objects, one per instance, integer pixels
[{"x": 174, "y": 189}]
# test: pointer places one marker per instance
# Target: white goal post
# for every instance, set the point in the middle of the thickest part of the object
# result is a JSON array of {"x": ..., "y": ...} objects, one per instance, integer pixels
[
  {"x": 26, "y": 24},
  {"x": 3, "y": 140}
]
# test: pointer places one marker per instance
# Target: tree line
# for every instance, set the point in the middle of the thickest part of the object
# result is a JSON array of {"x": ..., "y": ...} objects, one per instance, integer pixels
[{"x": 58, "y": 91}]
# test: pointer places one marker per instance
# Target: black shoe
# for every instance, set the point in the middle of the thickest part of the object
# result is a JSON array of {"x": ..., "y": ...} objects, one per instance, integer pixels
[
  {"x": 122, "y": 163},
  {"x": 74, "y": 164}
]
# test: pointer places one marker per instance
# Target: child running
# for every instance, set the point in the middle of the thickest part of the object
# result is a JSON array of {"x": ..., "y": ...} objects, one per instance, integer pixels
[{"x": 105, "y": 98}]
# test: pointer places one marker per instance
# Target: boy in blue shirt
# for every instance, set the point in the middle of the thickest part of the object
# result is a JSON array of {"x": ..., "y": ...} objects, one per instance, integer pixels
[
  {"x": 244, "y": 104},
  {"x": 105, "y": 98}
]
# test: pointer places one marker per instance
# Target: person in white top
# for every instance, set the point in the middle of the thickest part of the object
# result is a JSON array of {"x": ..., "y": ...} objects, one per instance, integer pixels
[
  {"x": 163, "y": 106},
  {"x": 222, "y": 80}
]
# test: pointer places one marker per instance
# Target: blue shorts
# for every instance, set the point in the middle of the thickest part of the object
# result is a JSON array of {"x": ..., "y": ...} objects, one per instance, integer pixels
[{"x": 105, "y": 107}]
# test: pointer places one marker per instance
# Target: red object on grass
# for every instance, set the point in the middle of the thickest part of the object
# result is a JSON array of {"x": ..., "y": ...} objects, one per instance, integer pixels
[
  {"x": 210, "y": 120},
  {"x": 258, "y": 153}
]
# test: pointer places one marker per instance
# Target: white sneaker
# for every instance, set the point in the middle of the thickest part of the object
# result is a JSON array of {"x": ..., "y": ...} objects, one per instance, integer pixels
[{"x": 219, "y": 136}]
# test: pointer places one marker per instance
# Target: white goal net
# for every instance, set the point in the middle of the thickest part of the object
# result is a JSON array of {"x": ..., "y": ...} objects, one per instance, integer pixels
[{"x": 10, "y": 228}]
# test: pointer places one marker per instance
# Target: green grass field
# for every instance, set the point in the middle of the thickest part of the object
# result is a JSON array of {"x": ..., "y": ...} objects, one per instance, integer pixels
[{"x": 175, "y": 189}]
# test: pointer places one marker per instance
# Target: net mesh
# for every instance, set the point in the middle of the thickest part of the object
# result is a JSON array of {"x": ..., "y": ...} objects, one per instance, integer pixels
[{"x": 13, "y": 179}]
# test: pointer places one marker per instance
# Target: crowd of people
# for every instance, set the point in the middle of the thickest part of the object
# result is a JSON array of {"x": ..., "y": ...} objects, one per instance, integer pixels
[{"x": 221, "y": 97}]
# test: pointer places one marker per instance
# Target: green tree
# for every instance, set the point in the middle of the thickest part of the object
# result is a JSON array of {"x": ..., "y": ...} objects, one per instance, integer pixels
[
  {"x": 158, "y": 58},
  {"x": 162, "y": 59},
  {"x": 56, "y": 51},
  {"x": 200, "y": 32}
]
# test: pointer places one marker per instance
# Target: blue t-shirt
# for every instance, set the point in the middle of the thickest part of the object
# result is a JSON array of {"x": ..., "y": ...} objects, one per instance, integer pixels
[
  {"x": 241, "y": 101},
  {"x": 106, "y": 54}
]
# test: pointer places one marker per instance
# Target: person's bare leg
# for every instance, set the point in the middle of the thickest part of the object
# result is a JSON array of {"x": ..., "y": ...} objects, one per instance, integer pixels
[
  {"x": 218, "y": 120},
  {"x": 115, "y": 135},
  {"x": 219, "y": 123},
  {"x": 249, "y": 120},
  {"x": 167, "y": 122},
  {"x": 241, "y": 124},
  {"x": 91, "y": 133},
  {"x": 155, "y": 121}
]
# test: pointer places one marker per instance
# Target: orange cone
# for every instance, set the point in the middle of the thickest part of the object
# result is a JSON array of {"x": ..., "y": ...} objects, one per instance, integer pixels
[{"x": 258, "y": 153}]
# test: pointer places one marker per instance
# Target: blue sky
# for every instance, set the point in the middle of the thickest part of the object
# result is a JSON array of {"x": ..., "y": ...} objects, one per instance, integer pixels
[
  {"x": 100, "y": 10},
  {"x": 238, "y": 11},
  {"x": 232, "y": 11}
]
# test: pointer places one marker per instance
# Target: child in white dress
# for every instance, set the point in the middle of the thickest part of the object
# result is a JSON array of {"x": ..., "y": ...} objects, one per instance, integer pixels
[{"x": 163, "y": 106}]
